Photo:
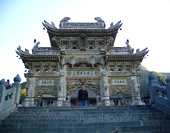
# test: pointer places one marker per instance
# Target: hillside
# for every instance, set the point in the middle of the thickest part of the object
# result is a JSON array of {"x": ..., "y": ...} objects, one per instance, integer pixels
[
  {"x": 23, "y": 84},
  {"x": 167, "y": 74},
  {"x": 144, "y": 79}
]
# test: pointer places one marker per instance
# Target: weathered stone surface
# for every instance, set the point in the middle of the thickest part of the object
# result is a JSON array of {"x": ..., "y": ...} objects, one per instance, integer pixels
[{"x": 82, "y": 53}]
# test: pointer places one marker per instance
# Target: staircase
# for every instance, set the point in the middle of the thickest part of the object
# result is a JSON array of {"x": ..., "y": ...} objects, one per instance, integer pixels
[{"x": 118, "y": 119}]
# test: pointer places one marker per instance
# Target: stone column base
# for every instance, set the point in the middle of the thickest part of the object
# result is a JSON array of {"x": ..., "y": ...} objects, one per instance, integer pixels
[
  {"x": 28, "y": 102},
  {"x": 137, "y": 101},
  {"x": 105, "y": 101}
]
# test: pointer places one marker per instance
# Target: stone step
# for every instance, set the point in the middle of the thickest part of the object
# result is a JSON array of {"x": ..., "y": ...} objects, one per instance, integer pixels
[
  {"x": 89, "y": 117},
  {"x": 85, "y": 113},
  {"x": 17, "y": 115},
  {"x": 50, "y": 124},
  {"x": 87, "y": 110},
  {"x": 121, "y": 119},
  {"x": 63, "y": 122},
  {"x": 100, "y": 129},
  {"x": 90, "y": 107},
  {"x": 86, "y": 119}
]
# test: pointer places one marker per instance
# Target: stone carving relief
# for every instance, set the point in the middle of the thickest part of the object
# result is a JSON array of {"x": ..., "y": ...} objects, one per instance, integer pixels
[
  {"x": 45, "y": 68},
  {"x": 39, "y": 91},
  {"x": 94, "y": 86},
  {"x": 106, "y": 89},
  {"x": 56, "y": 41},
  {"x": 135, "y": 66},
  {"x": 120, "y": 90},
  {"x": 82, "y": 41},
  {"x": 61, "y": 89},
  {"x": 35, "y": 48},
  {"x": 61, "y": 85},
  {"x": 104, "y": 86},
  {"x": 135, "y": 89},
  {"x": 131, "y": 50},
  {"x": 63, "y": 21},
  {"x": 123, "y": 67},
  {"x": 79, "y": 62},
  {"x": 72, "y": 85},
  {"x": 99, "y": 20},
  {"x": 109, "y": 45}
]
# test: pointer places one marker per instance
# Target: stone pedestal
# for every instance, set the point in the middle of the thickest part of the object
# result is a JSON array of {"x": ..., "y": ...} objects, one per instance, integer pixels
[
  {"x": 105, "y": 101},
  {"x": 137, "y": 101},
  {"x": 28, "y": 102},
  {"x": 60, "y": 101}
]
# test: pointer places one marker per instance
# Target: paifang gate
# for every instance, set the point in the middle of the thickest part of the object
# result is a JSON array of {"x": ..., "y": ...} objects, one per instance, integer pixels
[{"x": 82, "y": 52}]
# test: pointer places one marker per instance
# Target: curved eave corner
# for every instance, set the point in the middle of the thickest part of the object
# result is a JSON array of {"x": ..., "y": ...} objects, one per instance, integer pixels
[
  {"x": 131, "y": 57},
  {"x": 34, "y": 58}
]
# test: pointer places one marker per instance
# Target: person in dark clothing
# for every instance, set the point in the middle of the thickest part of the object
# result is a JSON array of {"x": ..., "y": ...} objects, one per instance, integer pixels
[{"x": 83, "y": 96}]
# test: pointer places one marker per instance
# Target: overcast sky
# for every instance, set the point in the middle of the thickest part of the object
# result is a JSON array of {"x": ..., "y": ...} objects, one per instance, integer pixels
[{"x": 146, "y": 23}]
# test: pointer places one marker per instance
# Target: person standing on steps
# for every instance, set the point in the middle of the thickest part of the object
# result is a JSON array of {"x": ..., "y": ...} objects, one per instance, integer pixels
[{"x": 83, "y": 96}]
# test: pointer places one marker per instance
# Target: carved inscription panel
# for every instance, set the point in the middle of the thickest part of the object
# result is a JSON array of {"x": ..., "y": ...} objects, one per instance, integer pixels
[
  {"x": 119, "y": 82},
  {"x": 46, "y": 82},
  {"x": 83, "y": 73}
]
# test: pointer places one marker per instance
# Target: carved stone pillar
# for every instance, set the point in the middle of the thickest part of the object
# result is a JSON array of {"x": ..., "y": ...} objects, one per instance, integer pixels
[
  {"x": 29, "y": 100},
  {"x": 104, "y": 89},
  {"x": 135, "y": 89},
  {"x": 62, "y": 88}
]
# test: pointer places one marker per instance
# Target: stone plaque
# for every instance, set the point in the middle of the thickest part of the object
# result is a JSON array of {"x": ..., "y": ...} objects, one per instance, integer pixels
[
  {"x": 46, "y": 82},
  {"x": 119, "y": 82},
  {"x": 83, "y": 73}
]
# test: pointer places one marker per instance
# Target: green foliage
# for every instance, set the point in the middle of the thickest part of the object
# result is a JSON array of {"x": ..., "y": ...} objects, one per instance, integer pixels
[
  {"x": 144, "y": 79},
  {"x": 162, "y": 76},
  {"x": 23, "y": 84}
]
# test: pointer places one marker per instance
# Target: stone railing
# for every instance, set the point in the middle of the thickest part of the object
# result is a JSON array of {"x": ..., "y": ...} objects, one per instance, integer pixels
[
  {"x": 45, "y": 101},
  {"x": 9, "y": 96},
  {"x": 121, "y": 102},
  {"x": 159, "y": 95}
]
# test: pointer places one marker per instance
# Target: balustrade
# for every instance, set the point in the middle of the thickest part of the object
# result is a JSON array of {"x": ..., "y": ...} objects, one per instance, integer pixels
[
  {"x": 9, "y": 96},
  {"x": 159, "y": 95}
]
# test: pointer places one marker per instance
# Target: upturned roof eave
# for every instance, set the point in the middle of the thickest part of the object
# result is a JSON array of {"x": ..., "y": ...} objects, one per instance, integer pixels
[
  {"x": 103, "y": 32},
  {"x": 35, "y": 58},
  {"x": 130, "y": 57}
]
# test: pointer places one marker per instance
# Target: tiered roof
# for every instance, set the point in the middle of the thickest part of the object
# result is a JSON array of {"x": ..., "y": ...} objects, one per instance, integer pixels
[{"x": 81, "y": 30}]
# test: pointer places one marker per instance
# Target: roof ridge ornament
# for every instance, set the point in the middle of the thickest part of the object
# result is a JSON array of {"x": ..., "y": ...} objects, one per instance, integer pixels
[
  {"x": 99, "y": 20},
  {"x": 49, "y": 26},
  {"x": 64, "y": 24},
  {"x": 116, "y": 26}
]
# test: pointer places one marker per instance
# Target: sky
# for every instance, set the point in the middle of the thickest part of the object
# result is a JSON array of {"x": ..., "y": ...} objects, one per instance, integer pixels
[{"x": 146, "y": 23}]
